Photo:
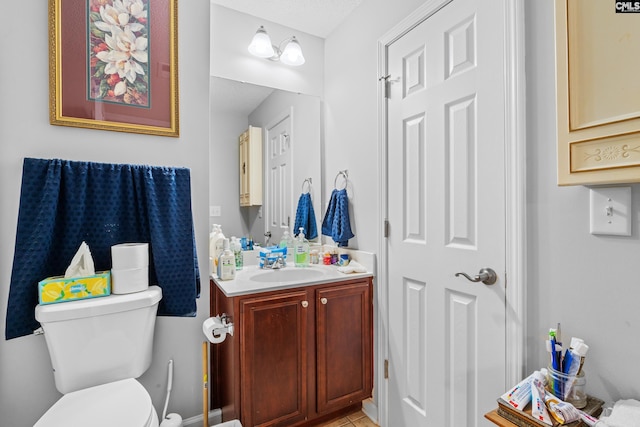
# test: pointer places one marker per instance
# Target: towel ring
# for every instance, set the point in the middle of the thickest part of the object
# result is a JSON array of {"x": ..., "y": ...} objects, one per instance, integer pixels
[
  {"x": 307, "y": 181},
  {"x": 345, "y": 175}
]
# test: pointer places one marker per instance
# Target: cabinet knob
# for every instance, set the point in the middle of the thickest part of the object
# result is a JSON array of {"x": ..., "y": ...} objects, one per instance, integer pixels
[
  {"x": 323, "y": 300},
  {"x": 305, "y": 304}
]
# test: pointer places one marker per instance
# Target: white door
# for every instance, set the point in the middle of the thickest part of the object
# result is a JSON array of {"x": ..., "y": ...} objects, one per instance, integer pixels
[
  {"x": 279, "y": 178},
  {"x": 446, "y": 210}
]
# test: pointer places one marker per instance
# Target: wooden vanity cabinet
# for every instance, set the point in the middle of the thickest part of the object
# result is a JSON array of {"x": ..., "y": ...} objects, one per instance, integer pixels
[
  {"x": 273, "y": 358},
  {"x": 298, "y": 355},
  {"x": 344, "y": 331}
]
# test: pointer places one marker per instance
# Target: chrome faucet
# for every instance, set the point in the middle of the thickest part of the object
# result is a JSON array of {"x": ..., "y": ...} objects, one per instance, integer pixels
[{"x": 276, "y": 264}]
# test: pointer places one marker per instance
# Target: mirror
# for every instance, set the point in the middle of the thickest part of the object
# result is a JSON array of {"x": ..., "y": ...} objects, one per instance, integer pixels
[{"x": 291, "y": 151}]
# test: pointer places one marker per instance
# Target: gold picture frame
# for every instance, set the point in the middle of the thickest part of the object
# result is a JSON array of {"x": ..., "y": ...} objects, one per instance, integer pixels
[{"x": 113, "y": 65}]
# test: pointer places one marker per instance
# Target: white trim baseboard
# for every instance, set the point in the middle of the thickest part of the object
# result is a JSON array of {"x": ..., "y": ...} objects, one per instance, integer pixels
[{"x": 215, "y": 417}]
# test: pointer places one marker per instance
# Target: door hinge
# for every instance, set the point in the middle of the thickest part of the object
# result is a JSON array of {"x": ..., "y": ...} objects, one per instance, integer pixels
[
  {"x": 386, "y": 84},
  {"x": 386, "y": 228},
  {"x": 386, "y": 369}
]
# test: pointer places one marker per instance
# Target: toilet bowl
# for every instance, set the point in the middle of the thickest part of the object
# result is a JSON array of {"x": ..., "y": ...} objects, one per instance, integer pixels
[
  {"x": 123, "y": 403},
  {"x": 97, "y": 348}
]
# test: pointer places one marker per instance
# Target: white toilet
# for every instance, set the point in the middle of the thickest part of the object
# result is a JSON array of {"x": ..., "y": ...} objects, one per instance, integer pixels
[{"x": 97, "y": 348}]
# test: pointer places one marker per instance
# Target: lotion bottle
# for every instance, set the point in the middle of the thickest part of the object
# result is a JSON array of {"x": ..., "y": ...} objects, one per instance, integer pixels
[
  {"x": 216, "y": 245},
  {"x": 226, "y": 263},
  {"x": 301, "y": 250}
]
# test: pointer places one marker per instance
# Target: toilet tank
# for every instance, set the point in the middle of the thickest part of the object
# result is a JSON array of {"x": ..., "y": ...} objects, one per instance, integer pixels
[{"x": 101, "y": 340}]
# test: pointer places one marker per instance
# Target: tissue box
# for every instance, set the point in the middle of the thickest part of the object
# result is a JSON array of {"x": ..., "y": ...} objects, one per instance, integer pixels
[{"x": 58, "y": 289}]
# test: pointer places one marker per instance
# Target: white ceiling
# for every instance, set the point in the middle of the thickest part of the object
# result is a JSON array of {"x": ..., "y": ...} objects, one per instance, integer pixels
[{"x": 316, "y": 17}]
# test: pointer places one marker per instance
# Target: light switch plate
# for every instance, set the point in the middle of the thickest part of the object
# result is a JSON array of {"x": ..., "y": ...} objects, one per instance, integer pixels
[
  {"x": 610, "y": 209},
  {"x": 215, "y": 211}
]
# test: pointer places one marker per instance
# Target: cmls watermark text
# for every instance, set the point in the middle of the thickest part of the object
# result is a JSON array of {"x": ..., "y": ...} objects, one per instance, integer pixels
[{"x": 627, "y": 7}]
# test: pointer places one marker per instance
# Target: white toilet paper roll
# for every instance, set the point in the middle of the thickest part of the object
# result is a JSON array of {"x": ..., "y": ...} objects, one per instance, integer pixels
[
  {"x": 209, "y": 326},
  {"x": 127, "y": 256},
  {"x": 129, "y": 281}
]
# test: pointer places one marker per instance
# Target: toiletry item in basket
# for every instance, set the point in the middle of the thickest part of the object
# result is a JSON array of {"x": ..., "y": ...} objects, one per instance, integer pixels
[{"x": 301, "y": 250}]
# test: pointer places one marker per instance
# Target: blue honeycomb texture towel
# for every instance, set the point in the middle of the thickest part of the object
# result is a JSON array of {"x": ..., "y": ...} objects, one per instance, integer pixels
[
  {"x": 63, "y": 203},
  {"x": 336, "y": 223},
  {"x": 306, "y": 217}
]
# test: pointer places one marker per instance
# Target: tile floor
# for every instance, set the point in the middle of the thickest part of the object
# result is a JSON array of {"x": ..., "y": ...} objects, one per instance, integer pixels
[{"x": 356, "y": 419}]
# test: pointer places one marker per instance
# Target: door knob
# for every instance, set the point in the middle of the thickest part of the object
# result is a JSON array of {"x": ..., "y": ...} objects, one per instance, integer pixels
[{"x": 486, "y": 276}]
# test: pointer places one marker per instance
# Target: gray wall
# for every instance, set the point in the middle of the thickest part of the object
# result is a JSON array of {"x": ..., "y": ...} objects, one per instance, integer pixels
[
  {"x": 27, "y": 389},
  {"x": 588, "y": 283}
]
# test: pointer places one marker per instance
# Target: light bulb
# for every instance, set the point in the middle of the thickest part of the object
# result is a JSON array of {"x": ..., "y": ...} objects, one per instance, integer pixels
[
  {"x": 292, "y": 53},
  {"x": 261, "y": 44}
]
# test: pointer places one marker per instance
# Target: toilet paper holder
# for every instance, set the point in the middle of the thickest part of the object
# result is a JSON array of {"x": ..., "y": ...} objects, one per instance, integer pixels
[{"x": 216, "y": 328}]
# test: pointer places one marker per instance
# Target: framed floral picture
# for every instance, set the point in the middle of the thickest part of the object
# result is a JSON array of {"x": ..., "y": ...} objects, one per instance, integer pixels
[{"x": 113, "y": 65}]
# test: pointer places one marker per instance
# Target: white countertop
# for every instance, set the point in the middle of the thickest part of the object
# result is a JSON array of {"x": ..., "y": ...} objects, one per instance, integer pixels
[{"x": 252, "y": 279}]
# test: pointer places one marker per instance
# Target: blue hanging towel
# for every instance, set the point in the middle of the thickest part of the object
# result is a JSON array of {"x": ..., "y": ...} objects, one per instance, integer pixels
[
  {"x": 63, "y": 203},
  {"x": 306, "y": 217},
  {"x": 336, "y": 223}
]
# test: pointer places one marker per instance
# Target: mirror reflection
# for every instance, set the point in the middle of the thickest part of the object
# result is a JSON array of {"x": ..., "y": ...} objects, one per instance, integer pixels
[{"x": 289, "y": 128}]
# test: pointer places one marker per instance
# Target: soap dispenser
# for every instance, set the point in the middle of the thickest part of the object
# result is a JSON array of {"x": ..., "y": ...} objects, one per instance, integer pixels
[
  {"x": 284, "y": 242},
  {"x": 301, "y": 250},
  {"x": 227, "y": 263},
  {"x": 288, "y": 242}
]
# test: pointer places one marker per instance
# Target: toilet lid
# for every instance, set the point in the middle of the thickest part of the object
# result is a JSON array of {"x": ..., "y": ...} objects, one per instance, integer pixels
[{"x": 122, "y": 403}]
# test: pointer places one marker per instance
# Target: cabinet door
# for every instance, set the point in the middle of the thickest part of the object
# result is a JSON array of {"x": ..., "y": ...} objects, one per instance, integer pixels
[
  {"x": 273, "y": 346},
  {"x": 597, "y": 65},
  {"x": 344, "y": 345},
  {"x": 244, "y": 173}
]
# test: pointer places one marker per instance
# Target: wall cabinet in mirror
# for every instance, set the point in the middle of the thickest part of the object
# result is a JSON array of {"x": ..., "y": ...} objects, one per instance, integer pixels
[
  {"x": 251, "y": 167},
  {"x": 597, "y": 93}
]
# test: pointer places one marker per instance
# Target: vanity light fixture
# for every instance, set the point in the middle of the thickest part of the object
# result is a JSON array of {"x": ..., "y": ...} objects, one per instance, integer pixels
[{"x": 262, "y": 48}]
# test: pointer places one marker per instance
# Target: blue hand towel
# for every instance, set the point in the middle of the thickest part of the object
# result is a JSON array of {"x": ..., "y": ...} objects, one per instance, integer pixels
[
  {"x": 63, "y": 203},
  {"x": 336, "y": 223},
  {"x": 306, "y": 217}
]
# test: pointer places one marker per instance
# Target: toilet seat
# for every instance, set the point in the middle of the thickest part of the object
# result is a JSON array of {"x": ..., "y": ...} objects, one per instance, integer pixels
[{"x": 123, "y": 403}]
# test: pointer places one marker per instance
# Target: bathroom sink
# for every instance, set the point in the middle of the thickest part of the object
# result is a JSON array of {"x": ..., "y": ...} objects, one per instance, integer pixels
[{"x": 287, "y": 275}]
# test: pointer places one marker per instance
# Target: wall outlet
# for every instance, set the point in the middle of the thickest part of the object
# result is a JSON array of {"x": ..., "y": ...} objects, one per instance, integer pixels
[
  {"x": 215, "y": 211},
  {"x": 610, "y": 209}
]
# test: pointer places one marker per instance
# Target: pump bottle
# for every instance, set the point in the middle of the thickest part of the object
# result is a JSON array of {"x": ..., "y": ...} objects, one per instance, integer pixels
[
  {"x": 227, "y": 263},
  {"x": 301, "y": 250}
]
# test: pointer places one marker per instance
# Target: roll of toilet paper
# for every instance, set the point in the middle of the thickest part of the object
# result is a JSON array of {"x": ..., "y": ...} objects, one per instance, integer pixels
[
  {"x": 129, "y": 281},
  {"x": 214, "y": 330},
  {"x": 128, "y": 256}
]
